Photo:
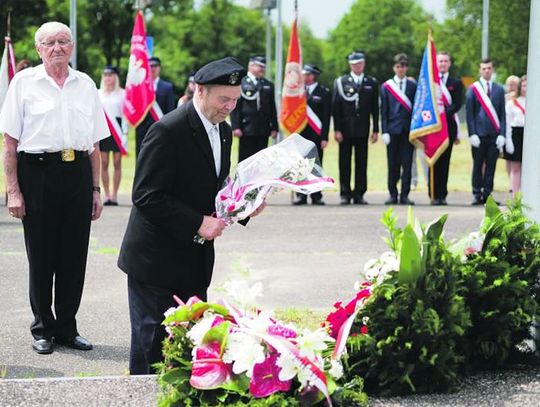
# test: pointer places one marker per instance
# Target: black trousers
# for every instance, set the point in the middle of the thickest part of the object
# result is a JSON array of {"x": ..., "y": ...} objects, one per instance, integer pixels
[
  {"x": 399, "y": 154},
  {"x": 58, "y": 198},
  {"x": 147, "y": 305},
  {"x": 250, "y": 145},
  {"x": 440, "y": 174},
  {"x": 360, "y": 146},
  {"x": 316, "y": 195},
  {"x": 487, "y": 153}
]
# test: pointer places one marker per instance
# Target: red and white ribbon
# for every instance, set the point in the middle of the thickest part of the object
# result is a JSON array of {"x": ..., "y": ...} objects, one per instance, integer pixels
[
  {"x": 116, "y": 132},
  {"x": 156, "y": 111},
  {"x": 519, "y": 106},
  {"x": 398, "y": 94},
  {"x": 447, "y": 100},
  {"x": 314, "y": 121},
  {"x": 486, "y": 104}
]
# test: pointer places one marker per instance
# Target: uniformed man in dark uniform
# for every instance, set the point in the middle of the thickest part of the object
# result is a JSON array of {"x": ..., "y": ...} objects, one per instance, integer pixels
[
  {"x": 319, "y": 99},
  {"x": 355, "y": 100},
  {"x": 255, "y": 116}
]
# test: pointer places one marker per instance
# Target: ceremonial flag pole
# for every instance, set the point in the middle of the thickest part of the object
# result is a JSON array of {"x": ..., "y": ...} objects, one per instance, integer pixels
[
  {"x": 293, "y": 114},
  {"x": 7, "y": 66},
  {"x": 429, "y": 129},
  {"x": 140, "y": 94}
]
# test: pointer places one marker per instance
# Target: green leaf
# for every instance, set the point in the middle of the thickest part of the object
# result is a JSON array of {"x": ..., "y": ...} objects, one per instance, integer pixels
[
  {"x": 410, "y": 262},
  {"x": 218, "y": 333},
  {"x": 492, "y": 209},
  {"x": 434, "y": 229},
  {"x": 175, "y": 376}
]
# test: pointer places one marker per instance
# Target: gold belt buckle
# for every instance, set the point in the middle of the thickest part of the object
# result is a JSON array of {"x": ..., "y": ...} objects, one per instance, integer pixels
[{"x": 68, "y": 155}]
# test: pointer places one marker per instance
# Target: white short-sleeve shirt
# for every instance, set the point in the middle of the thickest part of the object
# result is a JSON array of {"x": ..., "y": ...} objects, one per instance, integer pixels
[{"x": 46, "y": 118}]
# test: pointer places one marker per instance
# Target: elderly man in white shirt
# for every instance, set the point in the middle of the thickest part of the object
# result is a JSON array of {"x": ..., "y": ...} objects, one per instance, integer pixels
[{"x": 52, "y": 121}]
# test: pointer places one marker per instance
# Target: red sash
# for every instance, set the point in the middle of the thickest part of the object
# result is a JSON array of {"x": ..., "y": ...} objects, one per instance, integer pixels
[
  {"x": 116, "y": 132},
  {"x": 400, "y": 96},
  {"x": 486, "y": 104},
  {"x": 519, "y": 106}
]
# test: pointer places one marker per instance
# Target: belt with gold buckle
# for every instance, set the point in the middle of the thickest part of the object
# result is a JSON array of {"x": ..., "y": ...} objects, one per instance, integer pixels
[{"x": 68, "y": 155}]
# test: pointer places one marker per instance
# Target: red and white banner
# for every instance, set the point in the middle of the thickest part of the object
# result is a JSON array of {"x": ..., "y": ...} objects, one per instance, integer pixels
[
  {"x": 398, "y": 94},
  {"x": 486, "y": 104},
  {"x": 293, "y": 115},
  {"x": 7, "y": 68},
  {"x": 116, "y": 133},
  {"x": 314, "y": 121},
  {"x": 140, "y": 94}
]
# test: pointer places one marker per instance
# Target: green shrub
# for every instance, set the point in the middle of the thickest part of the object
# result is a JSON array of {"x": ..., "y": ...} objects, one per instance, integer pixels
[
  {"x": 416, "y": 318},
  {"x": 501, "y": 283}
]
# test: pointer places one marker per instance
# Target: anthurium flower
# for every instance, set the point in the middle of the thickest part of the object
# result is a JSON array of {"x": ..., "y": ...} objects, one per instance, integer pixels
[
  {"x": 208, "y": 369},
  {"x": 265, "y": 380},
  {"x": 243, "y": 351},
  {"x": 198, "y": 331}
]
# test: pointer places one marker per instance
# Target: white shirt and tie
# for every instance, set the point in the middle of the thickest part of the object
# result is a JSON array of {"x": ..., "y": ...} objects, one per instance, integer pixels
[
  {"x": 311, "y": 88},
  {"x": 487, "y": 86},
  {"x": 402, "y": 83},
  {"x": 357, "y": 78},
  {"x": 212, "y": 130}
]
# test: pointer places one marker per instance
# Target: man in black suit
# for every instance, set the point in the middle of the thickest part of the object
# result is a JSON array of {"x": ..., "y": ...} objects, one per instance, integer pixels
[
  {"x": 319, "y": 99},
  {"x": 397, "y": 95},
  {"x": 452, "y": 90},
  {"x": 355, "y": 99},
  {"x": 184, "y": 159},
  {"x": 486, "y": 123},
  {"x": 255, "y": 116},
  {"x": 165, "y": 98}
]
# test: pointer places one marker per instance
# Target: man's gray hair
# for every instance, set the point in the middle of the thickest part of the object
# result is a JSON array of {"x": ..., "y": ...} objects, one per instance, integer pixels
[{"x": 51, "y": 28}]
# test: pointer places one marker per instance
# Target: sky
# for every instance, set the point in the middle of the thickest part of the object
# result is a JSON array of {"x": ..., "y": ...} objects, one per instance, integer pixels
[{"x": 324, "y": 15}]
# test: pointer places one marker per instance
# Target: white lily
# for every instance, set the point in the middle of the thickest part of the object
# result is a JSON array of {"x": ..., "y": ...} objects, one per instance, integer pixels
[
  {"x": 312, "y": 342},
  {"x": 244, "y": 352}
]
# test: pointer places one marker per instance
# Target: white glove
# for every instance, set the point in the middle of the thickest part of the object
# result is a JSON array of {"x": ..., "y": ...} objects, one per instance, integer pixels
[
  {"x": 475, "y": 141},
  {"x": 386, "y": 138},
  {"x": 509, "y": 145},
  {"x": 500, "y": 142}
]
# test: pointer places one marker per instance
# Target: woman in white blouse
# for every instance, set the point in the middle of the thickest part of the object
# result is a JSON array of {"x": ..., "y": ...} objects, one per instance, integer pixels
[
  {"x": 515, "y": 121},
  {"x": 112, "y": 97}
]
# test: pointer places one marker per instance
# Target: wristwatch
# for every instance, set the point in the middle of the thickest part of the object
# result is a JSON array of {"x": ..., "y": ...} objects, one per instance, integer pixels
[{"x": 96, "y": 189}]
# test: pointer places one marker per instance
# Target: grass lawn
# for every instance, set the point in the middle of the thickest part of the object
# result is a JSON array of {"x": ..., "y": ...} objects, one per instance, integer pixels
[{"x": 459, "y": 180}]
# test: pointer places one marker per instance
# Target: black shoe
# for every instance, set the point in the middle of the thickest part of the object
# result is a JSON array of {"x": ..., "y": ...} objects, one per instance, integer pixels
[
  {"x": 391, "y": 201},
  {"x": 439, "y": 202},
  {"x": 405, "y": 201},
  {"x": 77, "y": 342},
  {"x": 317, "y": 201},
  {"x": 107, "y": 202},
  {"x": 300, "y": 201},
  {"x": 345, "y": 200},
  {"x": 477, "y": 201},
  {"x": 360, "y": 201},
  {"x": 42, "y": 346}
]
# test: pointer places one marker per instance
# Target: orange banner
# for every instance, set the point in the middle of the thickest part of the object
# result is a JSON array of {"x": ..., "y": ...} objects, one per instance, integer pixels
[{"x": 293, "y": 115}]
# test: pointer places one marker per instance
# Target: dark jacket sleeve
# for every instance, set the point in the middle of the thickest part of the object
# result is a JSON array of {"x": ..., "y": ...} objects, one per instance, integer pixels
[
  {"x": 501, "y": 111},
  {"x": 384, "y": 109},
  {"x": 336, "y": 107},
  {"x": 457, "y": 96},
  {"x": 327, "y": 112},
  {"x": 273, "y": 111},
  {"x": 470, "y": 108},
  {"x": 154, "y": 182},
  {"x": 236, "y": 115},
  {"x": 375, "y": 106},
  {"x": 169, "y": 100}
]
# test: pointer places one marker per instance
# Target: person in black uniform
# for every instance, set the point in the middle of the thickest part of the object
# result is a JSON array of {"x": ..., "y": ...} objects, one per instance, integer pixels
[
  {"x": 255, "y": 116},
  {"x": 184, "y": 159},
  {"x": 319, "y": 99},
  {"x": 355, "y": 99},
  {"x": 397, "y": 96},
  {"x": 453, "y": 95},
  {"x": 165, "y": 98}
]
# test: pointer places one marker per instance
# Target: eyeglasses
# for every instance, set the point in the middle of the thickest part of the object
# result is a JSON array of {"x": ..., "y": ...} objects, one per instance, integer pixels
[{"x": 50, "y": 44}]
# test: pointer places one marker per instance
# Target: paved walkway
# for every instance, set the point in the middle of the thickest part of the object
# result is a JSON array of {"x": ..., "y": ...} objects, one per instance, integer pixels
[{"x": 305, "y": 256}]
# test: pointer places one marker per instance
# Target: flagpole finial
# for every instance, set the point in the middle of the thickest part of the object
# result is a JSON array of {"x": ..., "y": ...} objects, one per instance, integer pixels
[
  {"x": 8, "y": 25},
  {"x": 296, "y": 6}
]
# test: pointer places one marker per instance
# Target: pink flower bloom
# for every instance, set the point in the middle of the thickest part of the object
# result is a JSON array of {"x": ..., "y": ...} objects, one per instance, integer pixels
[
  {"x": 208, "y": 369},
  {"x": 283, "y": 331},
  {"x": 265, "y": 380}
]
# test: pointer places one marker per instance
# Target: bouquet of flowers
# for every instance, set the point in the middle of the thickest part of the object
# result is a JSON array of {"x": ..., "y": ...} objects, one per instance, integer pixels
[
  {"x": 292, "y": 163},
  {"x": 222, "y": 353}
]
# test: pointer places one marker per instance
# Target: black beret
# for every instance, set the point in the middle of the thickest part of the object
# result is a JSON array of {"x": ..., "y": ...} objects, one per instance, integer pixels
[
  {"x": 191, "y": 76},
  {"x": 111, "y": 69},
  {"x": 154, "y": 61},
  {"x": 227, "y": 71},
  {"x": 311, "y": 69},
  {"x": 258, "y": 59},
  {"x": 355, "y": 57}
]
